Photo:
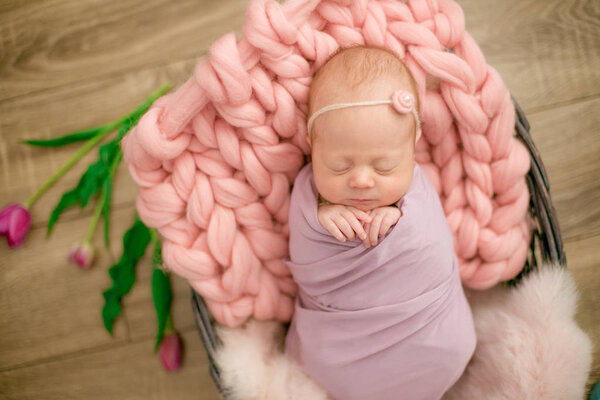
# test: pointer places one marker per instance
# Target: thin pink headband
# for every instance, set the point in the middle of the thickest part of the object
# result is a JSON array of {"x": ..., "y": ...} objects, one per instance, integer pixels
[{"x": 402, "y": 101}]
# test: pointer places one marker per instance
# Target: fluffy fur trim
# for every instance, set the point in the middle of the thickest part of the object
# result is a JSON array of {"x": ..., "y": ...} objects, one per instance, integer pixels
[
  {"x": 253, "y": 366},
  {"x": 529, "y": 345}
]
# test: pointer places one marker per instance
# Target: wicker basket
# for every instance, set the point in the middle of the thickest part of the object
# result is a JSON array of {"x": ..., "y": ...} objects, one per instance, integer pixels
[{"x": 546, "y": 242}]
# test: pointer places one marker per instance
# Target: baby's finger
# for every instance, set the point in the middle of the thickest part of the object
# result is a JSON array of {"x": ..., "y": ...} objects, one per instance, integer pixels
[
  {"x": 374, "y": 231},
  {"x": 366, "y": 240},
  {"x": 386, "y": 224},
  {"x": 363, "y": 216},
  {"x": 392, "y": 218},
  {"x": 333, "y": 229},
  {"x": 355, "y": 224},
  {"x": 344, "y": 226}
]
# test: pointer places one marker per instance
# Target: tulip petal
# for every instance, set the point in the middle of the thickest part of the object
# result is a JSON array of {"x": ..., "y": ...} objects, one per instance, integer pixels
[
  {"x": 170, "y": 352},
  {"x": 19, "y": 222},
  {"x": 5, "y": 217},
  {"x": 82, "y": 254}
]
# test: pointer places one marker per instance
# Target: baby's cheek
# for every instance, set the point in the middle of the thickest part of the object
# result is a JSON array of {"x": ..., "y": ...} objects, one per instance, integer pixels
[
  {"x": 402, "y": 182},
  {"x": 329, "y": 188},
  {"x": 393, "y": 191}
]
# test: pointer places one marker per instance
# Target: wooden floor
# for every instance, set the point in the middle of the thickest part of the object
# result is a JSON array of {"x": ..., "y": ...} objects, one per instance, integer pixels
[{"x": 67, "y": 65}]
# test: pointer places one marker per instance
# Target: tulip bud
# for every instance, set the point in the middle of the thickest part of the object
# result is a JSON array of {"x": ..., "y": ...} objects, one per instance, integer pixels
[
  {"x": 82, "y": 254},
  {"x": 15, "y": 222},
  {"x": 170, "y": 352}
]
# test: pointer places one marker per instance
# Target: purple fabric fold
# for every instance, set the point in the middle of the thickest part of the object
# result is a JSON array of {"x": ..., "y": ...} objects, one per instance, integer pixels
[{"x": 388, "y": 322}]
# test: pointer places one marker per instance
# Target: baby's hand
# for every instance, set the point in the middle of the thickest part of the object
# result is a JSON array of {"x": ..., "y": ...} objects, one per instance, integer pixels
[
  {"x": 343, "y": 221},
  {"x": 382, "y": 220}
]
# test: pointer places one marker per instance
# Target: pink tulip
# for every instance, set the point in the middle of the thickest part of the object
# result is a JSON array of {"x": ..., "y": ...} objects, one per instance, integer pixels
[
  {"x": 82, "y": 255},
  {"x": 170, "y": 352},
  {"x": 15, "y": 222}
]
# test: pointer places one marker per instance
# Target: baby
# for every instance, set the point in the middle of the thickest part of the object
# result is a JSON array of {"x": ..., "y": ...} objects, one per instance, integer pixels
[{"x": 380, "y": 313}]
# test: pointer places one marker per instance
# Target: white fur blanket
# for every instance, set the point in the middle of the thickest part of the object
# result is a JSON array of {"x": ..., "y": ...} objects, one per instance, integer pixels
[{"x": 529, "y": 347}]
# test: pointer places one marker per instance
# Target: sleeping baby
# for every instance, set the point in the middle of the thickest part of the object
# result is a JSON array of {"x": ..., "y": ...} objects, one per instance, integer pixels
[{"x": 380, "y": 313}]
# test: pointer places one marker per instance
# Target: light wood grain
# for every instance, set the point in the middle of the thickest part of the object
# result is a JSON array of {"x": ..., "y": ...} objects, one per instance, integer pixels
[
  {"x": 49, "y": 44},
  {"x": 568, "y": 139},
  {"x": 127, "y": 371},
  {"x": 49, "y": 307}
]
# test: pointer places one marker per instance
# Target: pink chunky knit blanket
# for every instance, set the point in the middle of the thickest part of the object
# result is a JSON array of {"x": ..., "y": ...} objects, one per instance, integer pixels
[{"x": 215, "y": 160}]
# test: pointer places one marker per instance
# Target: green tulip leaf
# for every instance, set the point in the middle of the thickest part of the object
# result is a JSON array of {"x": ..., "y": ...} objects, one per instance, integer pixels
[
  {"x": 161, "y": 295},
  {"x": 67, "y": 139},
  {"x": 106, "y": 195},
  {"x": 161, "y": 290},
  {"x": 68, "y": 199},
  {"x": 92, "y": 180},
  {"x": 135, "y": 242}
]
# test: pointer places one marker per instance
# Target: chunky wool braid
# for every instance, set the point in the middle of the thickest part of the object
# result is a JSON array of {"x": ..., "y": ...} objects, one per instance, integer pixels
[{"x": 215, "y": 160}]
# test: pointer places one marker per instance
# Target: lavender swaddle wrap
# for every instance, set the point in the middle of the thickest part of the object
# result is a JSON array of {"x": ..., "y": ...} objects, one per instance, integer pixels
[{"x": 388, "y": 322}]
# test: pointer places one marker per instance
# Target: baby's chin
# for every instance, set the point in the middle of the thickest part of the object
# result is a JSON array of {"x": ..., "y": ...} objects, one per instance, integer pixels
[{"x": 364, "y": 206}]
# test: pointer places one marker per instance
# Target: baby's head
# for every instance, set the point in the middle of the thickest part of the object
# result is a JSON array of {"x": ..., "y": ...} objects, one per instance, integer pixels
[{"x": 363, "y": 155}]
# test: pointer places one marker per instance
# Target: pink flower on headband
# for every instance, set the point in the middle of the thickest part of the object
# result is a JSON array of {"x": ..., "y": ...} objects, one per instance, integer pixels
[{"x": 402, "y": 101}]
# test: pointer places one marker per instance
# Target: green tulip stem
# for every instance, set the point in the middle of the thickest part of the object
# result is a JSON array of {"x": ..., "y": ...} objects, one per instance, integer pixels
[
  {"x": 169, "y": 325},
  {"x": 154, "y": 238},
  {"x": 95, "y": 218}
]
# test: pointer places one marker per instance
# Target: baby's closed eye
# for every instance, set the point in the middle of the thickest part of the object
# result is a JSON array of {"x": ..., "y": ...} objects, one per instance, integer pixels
[
  {"x": 385, "y": 171},
  {"x": 385, "y": 167}
]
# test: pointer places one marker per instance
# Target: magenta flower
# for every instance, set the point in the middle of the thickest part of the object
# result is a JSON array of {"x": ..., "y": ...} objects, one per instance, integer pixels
[
  {"x": 82, "y": 254},
  {"x": 15, "y": 222},
  {"x": 170, "y": 352}
]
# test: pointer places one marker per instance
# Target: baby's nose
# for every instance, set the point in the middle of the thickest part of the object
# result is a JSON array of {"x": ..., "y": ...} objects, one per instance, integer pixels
[{"x": 362, "y": 178}]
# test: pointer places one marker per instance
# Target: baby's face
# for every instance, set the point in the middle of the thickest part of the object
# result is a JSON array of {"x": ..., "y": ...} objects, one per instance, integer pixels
[{"x": 364, "y": 156}]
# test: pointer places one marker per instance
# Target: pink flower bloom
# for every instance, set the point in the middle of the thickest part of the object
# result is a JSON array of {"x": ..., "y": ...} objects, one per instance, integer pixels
[
  {"x": 15, "y": 222},
  {"x": 82, "y": 255},
  {"x": 170, "y": 352}
]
